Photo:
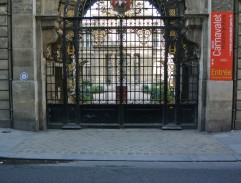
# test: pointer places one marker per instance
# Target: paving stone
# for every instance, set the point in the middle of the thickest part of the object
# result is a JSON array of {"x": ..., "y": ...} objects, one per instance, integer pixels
[{"x": 124, "y": 144}]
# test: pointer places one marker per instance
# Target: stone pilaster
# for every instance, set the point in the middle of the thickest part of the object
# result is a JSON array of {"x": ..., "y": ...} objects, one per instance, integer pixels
[
  {"x": 47, "y": 34},
  {"x": 237, "y": 59},
  {"x": 196, "y": 23},
  {"x": 219, "y": 93},
  {"x": 25, "y": 90}
]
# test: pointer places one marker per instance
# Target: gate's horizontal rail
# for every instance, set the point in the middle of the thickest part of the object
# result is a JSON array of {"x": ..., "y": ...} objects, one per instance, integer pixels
[
  {"x": 124, "y": 27},
  {"x": 114, "y": 17}
]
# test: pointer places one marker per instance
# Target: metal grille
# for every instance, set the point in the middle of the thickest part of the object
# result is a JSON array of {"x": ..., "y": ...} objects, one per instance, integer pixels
[
  {"x": 122, "y": 68},
  {"x": 54, "y": 74}
]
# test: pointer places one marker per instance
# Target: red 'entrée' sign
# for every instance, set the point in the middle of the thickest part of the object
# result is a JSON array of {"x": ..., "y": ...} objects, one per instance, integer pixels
[{"x": 221, "y": 66}]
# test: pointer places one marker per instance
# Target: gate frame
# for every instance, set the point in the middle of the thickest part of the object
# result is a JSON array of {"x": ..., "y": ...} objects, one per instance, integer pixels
[{"x": 164, "y": 3}]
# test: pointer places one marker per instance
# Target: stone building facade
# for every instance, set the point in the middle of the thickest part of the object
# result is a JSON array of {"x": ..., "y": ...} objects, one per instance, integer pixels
[
  {"x": 27, "y": 28},
  {"x": 237, "y": 66},
  {"x": 5, "y": 64}
]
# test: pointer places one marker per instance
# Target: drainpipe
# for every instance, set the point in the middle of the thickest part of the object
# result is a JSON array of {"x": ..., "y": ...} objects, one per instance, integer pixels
[
  {"x": 235, "y": 64},
  {"x": 10, "y": 61}
]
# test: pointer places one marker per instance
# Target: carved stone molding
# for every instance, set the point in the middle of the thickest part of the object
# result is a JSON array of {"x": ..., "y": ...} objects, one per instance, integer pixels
[
  {"x": 196, "y": 6},
  {"x": 193, "y": 27},
  {"x": 222, "y": 5},
  {"x": 51, "y": 31},
  {"x": 51, "y": 7}
]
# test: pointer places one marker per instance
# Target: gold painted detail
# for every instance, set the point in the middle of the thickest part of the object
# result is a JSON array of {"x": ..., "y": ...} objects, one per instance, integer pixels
[
  {"x": 69, "y": 23},
  {"x": 143, "y": 35},
  {"x": 172, "y": 12},
  {"x": 70, "y": 34},
  {"x": 173, "y": 33},
  {"x": 70, "y": 13},
  {"x": 99, "y": 36},
  {"x": 172, "y": 22},
  {"x": 172, "y": 49},
  {"x": 70, "y": 50}
]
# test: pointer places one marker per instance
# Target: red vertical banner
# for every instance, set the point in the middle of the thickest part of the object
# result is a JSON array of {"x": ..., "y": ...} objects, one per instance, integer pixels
[{"x": 221, "y": 65}]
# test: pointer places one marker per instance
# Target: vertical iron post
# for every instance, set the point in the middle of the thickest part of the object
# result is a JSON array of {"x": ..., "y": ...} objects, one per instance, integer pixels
[
  {"x": 121, "y": 109},
  {"x": 65, "y": 89},
  {"x": 165, "y": 76},
  {"x": 177, "y": 78},
  {"x": 78, "y": 70}
]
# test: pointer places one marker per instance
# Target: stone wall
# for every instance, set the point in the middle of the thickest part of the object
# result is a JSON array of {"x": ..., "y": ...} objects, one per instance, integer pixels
[
  {"x": 25, "y": 90},
  {"x": 5, "y": 71},
  {"x": 196, "y": 7},
  {"x": 31, "y": 20},
  {"x": 237, "y": 59}
]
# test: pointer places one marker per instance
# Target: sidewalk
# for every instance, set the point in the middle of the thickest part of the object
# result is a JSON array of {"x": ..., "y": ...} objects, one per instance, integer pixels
[{"x": 121, "y": 145}]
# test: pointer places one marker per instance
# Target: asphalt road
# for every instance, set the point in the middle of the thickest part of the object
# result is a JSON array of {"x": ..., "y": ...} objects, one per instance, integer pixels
[{"x": 121, "y": 172}]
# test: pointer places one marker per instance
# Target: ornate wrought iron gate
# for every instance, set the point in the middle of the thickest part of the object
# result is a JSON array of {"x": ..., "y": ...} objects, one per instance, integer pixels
[{"x": 122, "y": 65}]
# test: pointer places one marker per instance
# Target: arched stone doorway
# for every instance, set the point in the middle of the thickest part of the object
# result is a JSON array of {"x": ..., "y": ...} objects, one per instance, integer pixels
[{"x": 122, "y": 69}]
